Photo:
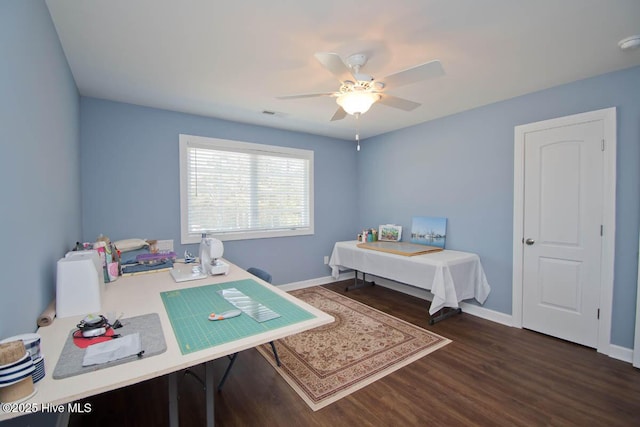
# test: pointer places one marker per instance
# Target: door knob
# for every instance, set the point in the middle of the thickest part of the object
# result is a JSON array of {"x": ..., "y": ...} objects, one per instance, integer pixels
[{"x": 529, "y": 242}]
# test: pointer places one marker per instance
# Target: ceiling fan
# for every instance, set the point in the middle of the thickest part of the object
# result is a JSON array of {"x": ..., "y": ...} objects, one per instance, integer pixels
[{"x": 358, "y": 91}]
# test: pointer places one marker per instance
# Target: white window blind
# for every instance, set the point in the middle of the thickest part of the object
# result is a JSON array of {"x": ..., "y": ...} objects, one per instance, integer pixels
[{"x": 236, "y": 190}]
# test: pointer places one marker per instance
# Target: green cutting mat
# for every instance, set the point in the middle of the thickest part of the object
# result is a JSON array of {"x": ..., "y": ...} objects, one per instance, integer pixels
[{"x": 189, "y": 309}]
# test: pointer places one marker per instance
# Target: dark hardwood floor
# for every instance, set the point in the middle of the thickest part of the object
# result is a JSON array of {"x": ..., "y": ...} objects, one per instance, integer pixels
[{"x": 491, "y": 375}]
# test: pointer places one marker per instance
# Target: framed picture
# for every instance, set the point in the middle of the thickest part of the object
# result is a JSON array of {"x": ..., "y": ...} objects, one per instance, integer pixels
[
  {"x": 431, "y": 231},
  {"x": 390, "y": 233}
]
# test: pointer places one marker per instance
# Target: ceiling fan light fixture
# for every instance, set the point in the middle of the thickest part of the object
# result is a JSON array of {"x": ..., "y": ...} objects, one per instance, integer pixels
[{"x": 357, "y": 102}]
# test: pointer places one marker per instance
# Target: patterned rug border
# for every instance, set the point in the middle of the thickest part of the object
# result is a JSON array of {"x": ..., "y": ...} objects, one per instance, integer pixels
[{"x": 267, "y": 353}]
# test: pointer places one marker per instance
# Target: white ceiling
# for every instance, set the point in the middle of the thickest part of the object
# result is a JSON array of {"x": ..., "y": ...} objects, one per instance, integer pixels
[{"x": 231, "y": 59}]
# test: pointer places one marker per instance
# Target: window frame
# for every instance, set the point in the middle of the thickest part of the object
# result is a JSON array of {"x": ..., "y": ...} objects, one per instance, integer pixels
[{"x": 186, "y": 141}]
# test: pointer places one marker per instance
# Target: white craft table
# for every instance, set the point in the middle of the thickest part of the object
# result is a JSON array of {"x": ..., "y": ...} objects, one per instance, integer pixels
[
  {"x": 451, "y": 276},
  {"x": 137, "y": 295}
]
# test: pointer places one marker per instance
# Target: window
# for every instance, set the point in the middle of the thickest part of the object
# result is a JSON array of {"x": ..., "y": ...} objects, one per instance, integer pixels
[{"x": 237, "y": 190}]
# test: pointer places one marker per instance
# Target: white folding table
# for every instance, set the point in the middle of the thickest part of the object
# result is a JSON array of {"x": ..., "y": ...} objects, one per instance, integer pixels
[
  {"x": 138, "y": 295},
  {"x": 451, "y": 276}
]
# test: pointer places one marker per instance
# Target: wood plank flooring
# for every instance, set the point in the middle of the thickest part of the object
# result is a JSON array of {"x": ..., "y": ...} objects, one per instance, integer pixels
[{"x": 491, "y": 375}]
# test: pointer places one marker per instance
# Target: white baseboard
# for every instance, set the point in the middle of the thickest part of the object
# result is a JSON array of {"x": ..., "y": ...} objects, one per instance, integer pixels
[
  {"x": 472, "y": 309},
  {"x": 621, "y": 353},
  {"x": 488, "y": 314},
  {"x": 314, "y": 282},
  {"x": 616, "y": 352},
  {"x": 475, "y": 310}
]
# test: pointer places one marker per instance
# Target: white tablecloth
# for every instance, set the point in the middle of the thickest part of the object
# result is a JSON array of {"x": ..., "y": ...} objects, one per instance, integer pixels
[{"x": 451, "y": 276}]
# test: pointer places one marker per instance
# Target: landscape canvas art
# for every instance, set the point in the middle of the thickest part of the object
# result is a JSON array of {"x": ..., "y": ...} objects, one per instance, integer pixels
[{"x": 430, "y": 231}]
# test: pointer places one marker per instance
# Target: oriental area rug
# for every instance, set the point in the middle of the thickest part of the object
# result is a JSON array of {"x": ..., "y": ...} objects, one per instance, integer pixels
[{"x": 361, "y": 346}]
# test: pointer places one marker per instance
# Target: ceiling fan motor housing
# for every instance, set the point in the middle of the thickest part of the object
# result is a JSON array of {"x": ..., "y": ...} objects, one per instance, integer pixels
[
  {"x": 359, "y": 86},
  {"x": 355, "y": 62}
]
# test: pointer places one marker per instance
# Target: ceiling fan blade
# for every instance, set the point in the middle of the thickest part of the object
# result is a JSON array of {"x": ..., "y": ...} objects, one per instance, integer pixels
[
  {"x": 395, "y": 102},
  {"x": 415, "y": 74},
  {"x": 337, "y": 67},
  {"x": 339, "y": 115},
  {"x": 307, "y": 95}
]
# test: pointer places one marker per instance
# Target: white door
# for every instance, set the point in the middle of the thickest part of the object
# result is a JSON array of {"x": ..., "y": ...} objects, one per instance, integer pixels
[{"x": 563, "y": 211}]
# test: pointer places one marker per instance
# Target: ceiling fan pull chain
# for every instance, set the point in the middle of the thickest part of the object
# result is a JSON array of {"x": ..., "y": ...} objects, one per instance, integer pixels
[{"x": 358, "y": 131}]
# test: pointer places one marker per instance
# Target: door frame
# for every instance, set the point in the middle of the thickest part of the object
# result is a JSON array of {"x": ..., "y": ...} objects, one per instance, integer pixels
[{"x": 608, "y": 117}]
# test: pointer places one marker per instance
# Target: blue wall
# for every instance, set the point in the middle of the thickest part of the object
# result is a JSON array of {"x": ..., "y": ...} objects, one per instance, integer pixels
[
  {"x": 39, "y": 165},
  {"x": 461, "y": 167},
  {"x": 130, "y": 184}
]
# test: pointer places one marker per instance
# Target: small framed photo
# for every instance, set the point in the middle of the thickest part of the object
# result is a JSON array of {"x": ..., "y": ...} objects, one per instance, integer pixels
[{"x": 390, "y": 233}]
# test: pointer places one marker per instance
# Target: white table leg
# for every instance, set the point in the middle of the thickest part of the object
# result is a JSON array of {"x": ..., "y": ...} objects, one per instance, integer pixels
[
  {"x": 174, "y": 419},
  {"x": 209, "y": 395}
]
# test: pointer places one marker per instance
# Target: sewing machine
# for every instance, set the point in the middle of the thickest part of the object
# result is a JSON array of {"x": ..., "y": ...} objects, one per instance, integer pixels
[{"x": 210, "y": 251}]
